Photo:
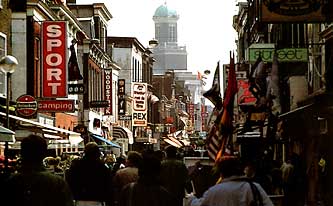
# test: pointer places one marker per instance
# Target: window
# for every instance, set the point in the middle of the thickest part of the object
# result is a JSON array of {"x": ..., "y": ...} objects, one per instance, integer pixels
[
  {"x": 157, "y": 29},
  {"x": 140, "y": 71},
  {"x": 133, "y": 70},
  {"x": 172, "y": 33}
]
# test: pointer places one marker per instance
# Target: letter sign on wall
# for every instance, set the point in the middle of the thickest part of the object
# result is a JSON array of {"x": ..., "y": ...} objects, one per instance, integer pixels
[
  {"x": 108, "y": 90},
  {"x": 54, "y": 59}
]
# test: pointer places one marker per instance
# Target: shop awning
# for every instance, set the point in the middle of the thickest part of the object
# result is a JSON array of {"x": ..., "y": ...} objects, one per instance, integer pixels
[
  {"x": 296, "y": 111},
  {"x": 101, "y": 138},
  {"x": 6, "y": 135},
  {"x": 170, "y": 139},
  {"x": 122, "y": 132},
  {"x": 48, "y": 131}
]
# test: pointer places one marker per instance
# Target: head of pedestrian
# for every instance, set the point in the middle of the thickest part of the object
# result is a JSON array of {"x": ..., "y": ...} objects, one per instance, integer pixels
[
  {"x": 171, "y": 152},
  {"x": 134, "y": 159},
  {"x": 91, "y": 151},
  {"x": 229, "y": 166},
  {"x": 149, "y": 169},
  {"x": 33, "y": 151}
]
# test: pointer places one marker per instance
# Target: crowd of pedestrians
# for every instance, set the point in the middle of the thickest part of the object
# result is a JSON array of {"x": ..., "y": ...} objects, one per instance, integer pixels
[{"x": 154, "y": 178}]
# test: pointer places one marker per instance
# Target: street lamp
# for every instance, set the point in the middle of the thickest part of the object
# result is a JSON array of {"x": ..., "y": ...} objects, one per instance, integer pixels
[
  {"x": 7, "y": 65},
  {"x": 153, "y": 43}
]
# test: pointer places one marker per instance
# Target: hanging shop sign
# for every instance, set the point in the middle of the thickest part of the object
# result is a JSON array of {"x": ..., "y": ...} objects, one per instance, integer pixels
[
  {"x": 99, "y": 104},
  {"x": 139, "y": 104},
  {"x": 244, "y": 96},
  {"x": 54, "y": 52},
  {"x": 75, "y": 88},
  {"x": 108, "y": 91},
  {"x": 273, "y": 11},
  {"x": 121, "y": 105},
  {"x": 125, "y": 117},
  {"x": 121, "y": 86},
  {"x": 26, "y": 105},
  {"x": 121, "y": 97},
  {"x": 65, "y": 105},
  {"x": 284, "y": 55}
]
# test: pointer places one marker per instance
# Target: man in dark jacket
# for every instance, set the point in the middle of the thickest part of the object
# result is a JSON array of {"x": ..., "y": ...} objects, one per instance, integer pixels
[
  {"x": 174, "y": 175},
  {"x": 89, "y": 178},
  {"x": 33, "y": 185},
  {"x": 147, "y": 191}
]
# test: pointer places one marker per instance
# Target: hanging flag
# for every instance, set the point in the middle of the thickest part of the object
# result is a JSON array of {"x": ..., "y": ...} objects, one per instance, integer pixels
[
  {"x": 73, "y": 66},
  {"x": 213, "y": 141},
  {"x": 199, "y": 76},
  {"x": 273, "y": 93},
  {"x": 226, "y": 117},
  {"x": 214, "y": 94},
  {"x": 254, "y": 88}
]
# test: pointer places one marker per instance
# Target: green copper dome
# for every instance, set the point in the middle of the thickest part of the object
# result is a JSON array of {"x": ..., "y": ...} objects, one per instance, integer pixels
[{"x": 164, "y": 11}]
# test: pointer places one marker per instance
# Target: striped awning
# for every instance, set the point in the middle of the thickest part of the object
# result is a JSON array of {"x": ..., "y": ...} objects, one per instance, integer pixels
[
  {"x": 101, "y": 138},
  {"x": 122, "y": 132},
  {"x": 28, "y": 126}
]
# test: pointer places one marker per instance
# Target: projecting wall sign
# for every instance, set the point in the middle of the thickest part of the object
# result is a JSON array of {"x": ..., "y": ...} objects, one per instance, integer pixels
[{"x": 139, "y": 104}]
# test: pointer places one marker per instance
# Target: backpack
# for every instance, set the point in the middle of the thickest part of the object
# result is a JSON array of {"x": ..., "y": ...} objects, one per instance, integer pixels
[{"x": 257, "y": 199}]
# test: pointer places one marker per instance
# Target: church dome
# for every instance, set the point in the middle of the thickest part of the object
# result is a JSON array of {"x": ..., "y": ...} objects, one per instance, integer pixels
[{"x": 164, "y": 11}]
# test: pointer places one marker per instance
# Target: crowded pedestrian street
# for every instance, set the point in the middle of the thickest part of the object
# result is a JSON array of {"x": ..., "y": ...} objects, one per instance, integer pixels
[{"x": 166, "y": 103}]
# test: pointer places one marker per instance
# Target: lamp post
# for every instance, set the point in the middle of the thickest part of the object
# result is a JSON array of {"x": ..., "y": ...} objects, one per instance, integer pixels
[{"x": 7, "y": 65}]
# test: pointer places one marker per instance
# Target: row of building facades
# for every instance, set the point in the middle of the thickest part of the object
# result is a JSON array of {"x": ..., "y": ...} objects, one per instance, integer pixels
[
  {"x": 87, "y": 85},
  {"x": 297, "y": 119}
]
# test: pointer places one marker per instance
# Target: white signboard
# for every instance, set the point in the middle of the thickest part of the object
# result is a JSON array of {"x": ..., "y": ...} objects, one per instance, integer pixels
[{"x": 139, "y": 104}]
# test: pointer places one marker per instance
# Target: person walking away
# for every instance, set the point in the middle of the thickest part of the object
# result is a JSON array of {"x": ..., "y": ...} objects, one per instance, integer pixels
[
  {"x": 202, "y": 177},
  {"x": 234, "y": 189},
  {"x": 89, "y": 178},
  {"x": 128, "y": 174},
  {"x": 147, "y": 190},
  {"x": 174, "y": 175},
  {"x": 33, "y": 185},
  {"x": 294, "y": 181}
]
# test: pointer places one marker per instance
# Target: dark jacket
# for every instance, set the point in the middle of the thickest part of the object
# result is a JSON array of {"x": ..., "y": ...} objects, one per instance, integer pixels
[
  {"x": 141, "y": 194},
  {"x": 36, "y": 188},
  {"x": 89, "y": 180},
  {"x": 175, "y": 178}
]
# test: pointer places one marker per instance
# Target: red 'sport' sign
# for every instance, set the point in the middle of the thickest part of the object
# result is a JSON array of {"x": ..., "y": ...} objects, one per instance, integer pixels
[{"x": 54, "y": 59}]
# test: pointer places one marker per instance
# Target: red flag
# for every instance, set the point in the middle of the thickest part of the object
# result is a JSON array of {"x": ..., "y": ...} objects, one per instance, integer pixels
[
  {"x": 231, "y": 86},
  {"x": 226, "y": 116}
]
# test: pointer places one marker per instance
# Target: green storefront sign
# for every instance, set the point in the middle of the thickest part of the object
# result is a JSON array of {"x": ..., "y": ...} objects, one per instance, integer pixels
[{"x": 284, "y": 55}]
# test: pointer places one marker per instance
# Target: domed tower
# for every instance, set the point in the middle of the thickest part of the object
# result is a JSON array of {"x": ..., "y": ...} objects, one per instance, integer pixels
[
  {"x": 168, "y": 55},
  {"x": 165, "y": 25}
]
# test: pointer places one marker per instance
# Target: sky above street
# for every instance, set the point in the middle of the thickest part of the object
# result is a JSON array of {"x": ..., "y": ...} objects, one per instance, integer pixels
[{"x": 204, "y": 27}]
